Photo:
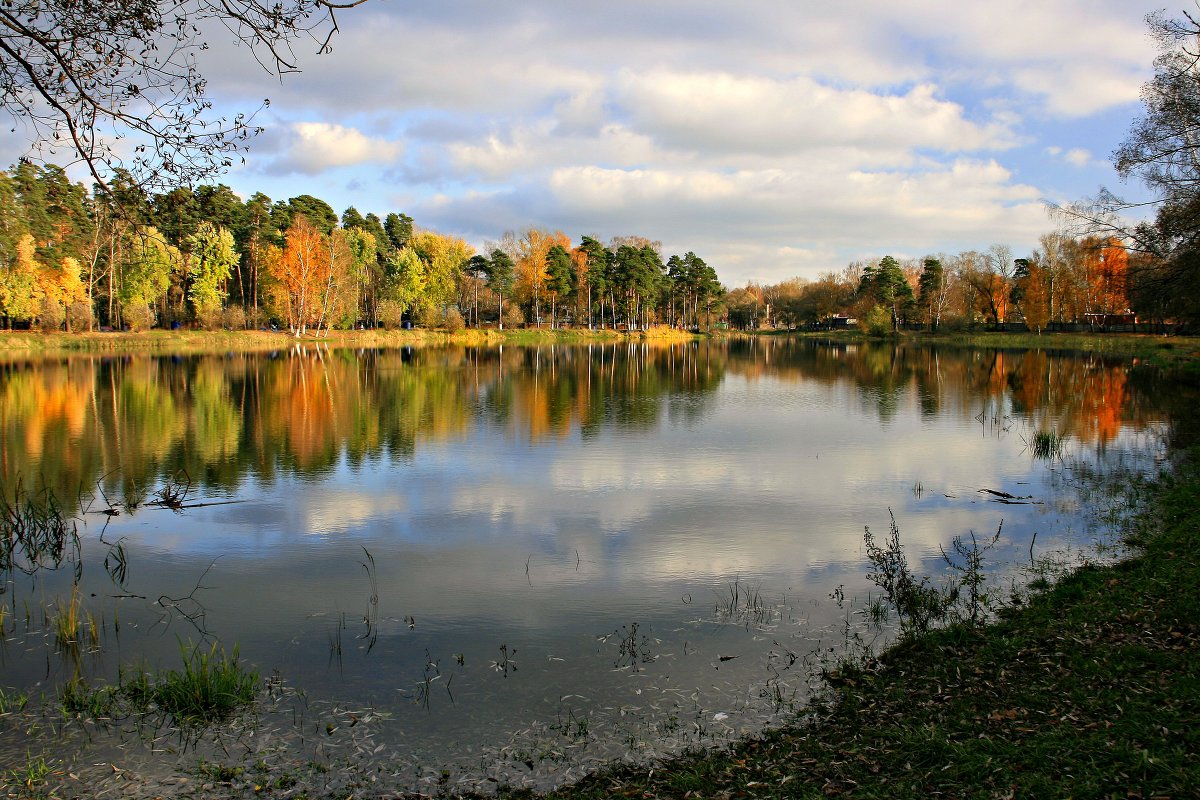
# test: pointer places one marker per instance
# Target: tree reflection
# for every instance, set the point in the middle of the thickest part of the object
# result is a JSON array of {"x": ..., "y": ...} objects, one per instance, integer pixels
[{"x": 128, "y": 422}]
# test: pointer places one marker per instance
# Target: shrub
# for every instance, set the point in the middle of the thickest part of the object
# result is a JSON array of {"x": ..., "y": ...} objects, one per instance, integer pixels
[
  {"x": 877, "y": 322},
  {"x": 390, "y": 313},
  {"x": 234, "y": 318},
  {"x": 513, "y": 316},
  {"x": 80, "y": 316},
  {"x": 210, "y": 318},
  {"x": 256, "y": 318},
  {"x": 917, "y": 604},
  {"x": 137, "y": 316},
  {"x": 51, "y": 315},
  {"x": 452, "y": 320},
  {"x": 429, "y": 317}
]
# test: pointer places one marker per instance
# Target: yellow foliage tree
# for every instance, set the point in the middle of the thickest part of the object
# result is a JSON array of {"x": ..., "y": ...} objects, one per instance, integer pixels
[{"x": 533, "y": 246}]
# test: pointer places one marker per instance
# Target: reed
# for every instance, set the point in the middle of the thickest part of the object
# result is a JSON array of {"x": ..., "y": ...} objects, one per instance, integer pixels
[
  {"x": 1046, "y": 445},
  {"x": 35, "y": 532},
  {"x": 73, "y": 626}
]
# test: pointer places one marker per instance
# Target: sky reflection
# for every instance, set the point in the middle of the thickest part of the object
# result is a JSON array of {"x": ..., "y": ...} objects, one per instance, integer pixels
[{"x": 549, "y": 502}]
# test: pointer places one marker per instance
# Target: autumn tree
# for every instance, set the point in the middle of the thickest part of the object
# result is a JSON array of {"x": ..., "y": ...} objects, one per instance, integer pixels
[
  {"x": 360, "y": 283},
  {"x": 1032, "y": 293},
  {"x": 444, "y": 258},
  {"x": 65, "y": 298},
  {"x": 1108, "y": 277},
  {"x": 145, "y": 275},
  {"x": 821, "y": 299},
  {"x": 339, "y": 274},
  {"x": 533, "y": 246},
  {"x": 745, "y": 306},
  {"x": 982, "y": 289},
  {"x": 210, "y": 262},
  {"x": 1162, "y": 151},
  {"x": 20, "y": 287},
  {"x": 1052, "y": 258},
  {"x": 298, "y": 278},
  {"x": 403, "y": 287}
]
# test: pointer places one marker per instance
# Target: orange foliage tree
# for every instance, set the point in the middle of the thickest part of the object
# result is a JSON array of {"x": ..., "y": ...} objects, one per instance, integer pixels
[
  {"x": 1109, "y": 278},
  {"x": 306, "y": 278}
]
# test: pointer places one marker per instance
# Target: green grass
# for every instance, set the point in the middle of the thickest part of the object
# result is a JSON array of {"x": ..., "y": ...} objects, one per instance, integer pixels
[
  {"x": 1170, "y": 351},
  {"x": 211, "y": 685},
  {"x": 1047, "y": 445},
  {"x": 1090, "y": 689},
  {"x": 30, "y": 779},
  {"x": 20, "y": 344}
]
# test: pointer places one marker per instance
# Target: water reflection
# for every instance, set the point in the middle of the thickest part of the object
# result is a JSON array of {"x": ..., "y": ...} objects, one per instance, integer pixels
[
  {"x": 136, "y": 419},
  {"x": 534, "y": 524}
]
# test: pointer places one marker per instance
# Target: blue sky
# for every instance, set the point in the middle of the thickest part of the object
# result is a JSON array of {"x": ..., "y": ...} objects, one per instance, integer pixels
[{"x": 775, "y": 139}]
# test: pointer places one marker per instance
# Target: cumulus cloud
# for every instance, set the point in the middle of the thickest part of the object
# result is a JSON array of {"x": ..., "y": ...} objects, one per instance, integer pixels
[
  {"x": 753, "y": 114},
  {"x": 769, "y": 138},
  {"x": 311, "y": 148}
]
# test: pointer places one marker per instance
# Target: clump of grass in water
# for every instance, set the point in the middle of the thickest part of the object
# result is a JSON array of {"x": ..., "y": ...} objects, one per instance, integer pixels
[
  {"x": 211, "y": 685},
  {"x": 72, "y": 625},
  {"x": 744, "y": 604},
  {"x": 1047, "y": 445},
  {"x": 35, "y": 532},
  {"x": 15, "y": 702},
  {"x": 33, "y": 775},
  {"x": 80, "y": 699}
]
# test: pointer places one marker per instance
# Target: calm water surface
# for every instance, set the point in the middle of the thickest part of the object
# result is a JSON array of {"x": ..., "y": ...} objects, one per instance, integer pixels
[{"x": 519, "y": 562}]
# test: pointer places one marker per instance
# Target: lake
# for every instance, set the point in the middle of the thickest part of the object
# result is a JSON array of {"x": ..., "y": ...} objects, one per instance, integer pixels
[{"x": 463, "y": 564}]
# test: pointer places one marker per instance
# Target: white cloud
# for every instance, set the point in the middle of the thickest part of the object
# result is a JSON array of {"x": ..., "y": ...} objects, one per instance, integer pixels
[
  {"x": 767, "y": 137},
  {"x": 753, "y": 114},
  {"x": 314, "y": 147}
]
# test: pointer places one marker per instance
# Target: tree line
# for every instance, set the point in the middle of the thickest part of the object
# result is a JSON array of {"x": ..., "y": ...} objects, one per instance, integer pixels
[
  {"x": 119, "y": 257},
  {"x": 1066, "y": 279},
  {"x": 122, "y": 258}
]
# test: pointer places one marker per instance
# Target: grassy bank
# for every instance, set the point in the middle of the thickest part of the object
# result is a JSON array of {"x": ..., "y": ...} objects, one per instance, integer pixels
[
  {"x": 21, "y": 343},
  {"x": 1159, "y": 350},
  {"x": 1091, "y": 689},
  {"x": 1170, "y": 351}
]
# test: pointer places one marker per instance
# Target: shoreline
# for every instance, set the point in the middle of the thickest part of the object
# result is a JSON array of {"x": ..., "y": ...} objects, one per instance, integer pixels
[
  {"x": 1088, "y": 688},
  {"x": 1158, "y": 349}
]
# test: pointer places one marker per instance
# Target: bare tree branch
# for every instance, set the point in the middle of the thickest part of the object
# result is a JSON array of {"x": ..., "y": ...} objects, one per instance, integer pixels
[{"x": 117, "y": 83}]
